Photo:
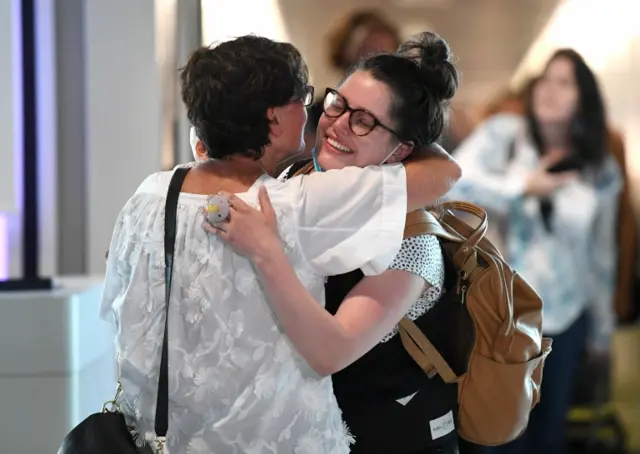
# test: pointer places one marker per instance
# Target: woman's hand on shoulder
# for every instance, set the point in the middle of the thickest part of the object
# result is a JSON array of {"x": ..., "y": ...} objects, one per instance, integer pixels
[{"x": 250, "y": 232}]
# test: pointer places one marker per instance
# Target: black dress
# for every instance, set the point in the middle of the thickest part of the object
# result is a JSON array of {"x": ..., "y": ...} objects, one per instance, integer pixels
[{"x": 388, "y": 402}]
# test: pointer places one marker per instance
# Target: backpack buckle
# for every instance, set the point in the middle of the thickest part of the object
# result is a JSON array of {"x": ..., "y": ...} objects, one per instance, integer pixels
[{"x": 461, "y": 287}]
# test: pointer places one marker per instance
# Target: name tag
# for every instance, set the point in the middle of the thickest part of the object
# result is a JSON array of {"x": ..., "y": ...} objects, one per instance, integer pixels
[{"x": 442, "y": 426}]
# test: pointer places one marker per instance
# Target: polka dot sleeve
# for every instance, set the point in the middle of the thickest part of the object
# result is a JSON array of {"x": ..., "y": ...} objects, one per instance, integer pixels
[{"x": 421, "y": 255}]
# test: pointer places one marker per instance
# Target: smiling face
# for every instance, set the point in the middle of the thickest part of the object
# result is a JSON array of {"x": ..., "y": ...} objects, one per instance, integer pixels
[
  {"x": 556, "y": 94},
  {"x": 339, "y": 146}
]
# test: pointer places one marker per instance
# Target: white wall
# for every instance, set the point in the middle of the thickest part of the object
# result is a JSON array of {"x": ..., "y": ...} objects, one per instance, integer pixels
[
  {"x": 11, "y": 146},
  {"x": 10, "y": 127},
  {"x": 9, "y": 89},
  {"x": 224, "y": 19},
  {"x": 123, "y": 112},
  {"x": 47, "y": 136}
]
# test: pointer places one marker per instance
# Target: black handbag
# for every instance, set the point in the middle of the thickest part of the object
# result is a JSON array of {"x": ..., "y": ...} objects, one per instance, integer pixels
[{"x": 107, "y": 432}]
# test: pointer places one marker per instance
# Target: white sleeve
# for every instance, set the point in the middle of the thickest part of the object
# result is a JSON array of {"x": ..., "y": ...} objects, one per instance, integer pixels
[
  {"x": 350, "y": 218},
  {"x": 118, "y": 273}
]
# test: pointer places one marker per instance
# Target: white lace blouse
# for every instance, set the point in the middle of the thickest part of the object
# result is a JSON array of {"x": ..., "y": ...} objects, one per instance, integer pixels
[{"x": 236, "y": 383}]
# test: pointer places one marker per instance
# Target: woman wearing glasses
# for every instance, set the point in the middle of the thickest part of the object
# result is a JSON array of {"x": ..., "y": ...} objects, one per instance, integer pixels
[{"x": 388, "y": 106}]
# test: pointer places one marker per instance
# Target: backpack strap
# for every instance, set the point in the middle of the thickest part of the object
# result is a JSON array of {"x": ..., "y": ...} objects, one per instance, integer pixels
[
  {"x": 423, "y": 352},
  {"x": 423, "y": 222},
  {"x": 302, "y": 167},
  {"x": 170, "y": 218},
  {"x": 414, "y": 341}
]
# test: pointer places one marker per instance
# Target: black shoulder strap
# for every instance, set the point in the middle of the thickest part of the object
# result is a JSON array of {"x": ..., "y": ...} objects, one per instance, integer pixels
[
  {"x": 297, "y": 166},
  {"x": 170, "y": 215},
  {"x": 511, "y": 152}
]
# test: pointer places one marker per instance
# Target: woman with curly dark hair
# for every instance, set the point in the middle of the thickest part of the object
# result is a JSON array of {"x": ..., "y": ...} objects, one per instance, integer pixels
[{"x": 236, "y": 382}]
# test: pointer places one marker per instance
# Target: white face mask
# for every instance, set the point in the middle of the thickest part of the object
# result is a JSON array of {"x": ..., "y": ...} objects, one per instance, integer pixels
[{"x": 390, "y": 154}]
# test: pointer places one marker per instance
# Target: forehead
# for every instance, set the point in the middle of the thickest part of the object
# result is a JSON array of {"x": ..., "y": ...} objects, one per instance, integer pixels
[
  {"x": 560, "y": 67},
  {"x": 363, "y": 91}
]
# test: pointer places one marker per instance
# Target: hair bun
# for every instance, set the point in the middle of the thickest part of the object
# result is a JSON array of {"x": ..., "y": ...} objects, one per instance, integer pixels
[{"x": 432, "y": 55}]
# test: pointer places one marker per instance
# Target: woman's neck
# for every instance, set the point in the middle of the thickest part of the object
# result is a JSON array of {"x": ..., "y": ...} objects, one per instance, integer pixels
[
  {"x": 230, "y": 175},
  {"x": 555, "y": 136},
  {"x": 241, "y": 169}
]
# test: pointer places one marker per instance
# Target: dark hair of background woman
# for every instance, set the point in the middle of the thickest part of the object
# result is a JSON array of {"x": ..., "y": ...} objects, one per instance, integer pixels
[
  {"x": 228, "y": 88},
  {"x": 588, "y": 129}
]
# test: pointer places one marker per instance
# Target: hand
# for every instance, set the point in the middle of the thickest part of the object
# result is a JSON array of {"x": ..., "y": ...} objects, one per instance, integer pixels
[
  {"x": 250, "y": 232},
  {"x": 541, "y": 183}
]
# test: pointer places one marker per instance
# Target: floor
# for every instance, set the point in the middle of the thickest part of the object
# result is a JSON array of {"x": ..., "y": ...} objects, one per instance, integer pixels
[{"x": 626, "y": 379}]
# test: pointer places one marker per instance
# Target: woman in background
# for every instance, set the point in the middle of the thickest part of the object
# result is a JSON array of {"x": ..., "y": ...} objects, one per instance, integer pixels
[
  {"x": 359, "y": 35},
  {"x": 550, "y": 177}
]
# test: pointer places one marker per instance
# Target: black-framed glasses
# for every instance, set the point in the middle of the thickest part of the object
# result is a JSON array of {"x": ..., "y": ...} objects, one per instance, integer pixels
[{"x": 361, "y": 121}]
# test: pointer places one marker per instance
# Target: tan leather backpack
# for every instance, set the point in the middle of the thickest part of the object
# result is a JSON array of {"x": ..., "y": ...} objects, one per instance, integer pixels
[
  {"x": 494, "y": 320},
  {"x": 501, "y": 372}
]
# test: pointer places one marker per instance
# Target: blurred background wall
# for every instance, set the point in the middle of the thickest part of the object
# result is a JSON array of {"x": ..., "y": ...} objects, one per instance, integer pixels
[{"x": 109, "y": 113}]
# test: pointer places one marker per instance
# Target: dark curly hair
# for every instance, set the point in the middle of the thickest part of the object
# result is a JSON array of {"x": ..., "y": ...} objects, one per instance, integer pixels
[
  {"x": 228, "y": 88},
  {"x": 423, "y": 79}
]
